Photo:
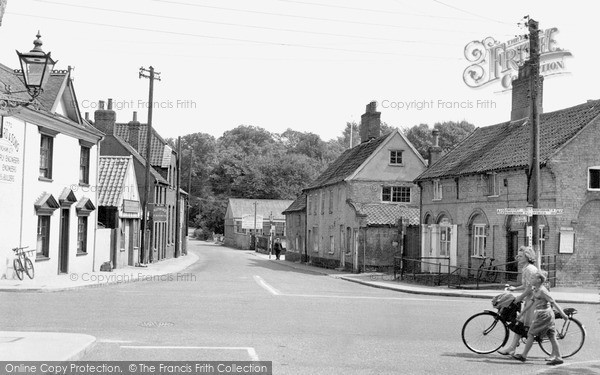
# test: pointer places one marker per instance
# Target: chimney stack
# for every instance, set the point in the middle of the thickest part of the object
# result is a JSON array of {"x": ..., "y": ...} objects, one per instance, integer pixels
[
  {"x": 134, "y": 132},
  {"x": 370, "y": 123},
  {"x": 521, "y": 100},
  {"x": 104, "y": 119},
  {"x": 435, "y": 151}
]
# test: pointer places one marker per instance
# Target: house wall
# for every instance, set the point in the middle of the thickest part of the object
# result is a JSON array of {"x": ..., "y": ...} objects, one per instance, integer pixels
[
  {"x": 295, "y": 223},
  {"x": 581, "y": 207},
  {"x": 65, "y": 174},
  {"x": 12, "y": 145},
  {"x": 462, "y": 202}
]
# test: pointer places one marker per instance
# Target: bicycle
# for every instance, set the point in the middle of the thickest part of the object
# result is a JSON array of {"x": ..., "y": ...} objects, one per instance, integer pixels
[
  {"x": 22, "y": 263},
  {"x": 490, "y": 271},
  {"x": 488, "y": 331}
]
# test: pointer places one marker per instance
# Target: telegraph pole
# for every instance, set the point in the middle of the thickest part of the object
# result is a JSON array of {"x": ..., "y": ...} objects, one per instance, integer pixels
[
  {"x": 152, "y": 75},
  {"x": 534, "y": 195},
  {"x": 178, "y": 234}
]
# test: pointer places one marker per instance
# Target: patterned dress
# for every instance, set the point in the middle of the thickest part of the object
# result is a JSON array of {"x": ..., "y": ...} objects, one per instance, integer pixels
[{"x": 543, "y": 315}]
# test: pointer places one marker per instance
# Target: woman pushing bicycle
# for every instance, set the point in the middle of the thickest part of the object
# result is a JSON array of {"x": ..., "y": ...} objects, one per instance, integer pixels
[
  {"x": 526, "y": 259},
  {"x": 543, "y": 319}
]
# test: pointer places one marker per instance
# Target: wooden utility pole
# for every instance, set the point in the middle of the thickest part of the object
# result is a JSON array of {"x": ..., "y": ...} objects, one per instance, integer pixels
[
  {"x": 145, "y": 253},
  {"x": 178, "y": 226},
  {"x": 534, "y": 193}
]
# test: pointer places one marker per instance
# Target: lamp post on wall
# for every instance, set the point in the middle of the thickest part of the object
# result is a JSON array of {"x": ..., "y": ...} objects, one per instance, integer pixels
[{"x": 36, "y": 67}]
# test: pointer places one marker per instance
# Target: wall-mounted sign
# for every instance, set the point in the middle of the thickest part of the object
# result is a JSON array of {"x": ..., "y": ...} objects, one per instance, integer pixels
[
  {"x": 131, "y": 207},
  {"x": 159, "y": 213},
  {"x": 10, "y": 152},
  {"x": 493, "y": 61}
]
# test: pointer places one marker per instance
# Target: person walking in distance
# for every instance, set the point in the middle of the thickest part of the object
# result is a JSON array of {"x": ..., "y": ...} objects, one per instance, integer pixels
[
  {"x": 526, "y": 259},
  {"x": 543, "y": 319},
  {"x": 277, "y": 248}
]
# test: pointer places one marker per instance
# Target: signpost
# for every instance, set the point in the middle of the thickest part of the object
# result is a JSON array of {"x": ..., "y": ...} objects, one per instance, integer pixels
[{"x": 529, "y": 212}]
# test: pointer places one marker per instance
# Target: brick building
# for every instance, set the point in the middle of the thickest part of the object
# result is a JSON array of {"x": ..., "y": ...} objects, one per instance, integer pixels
[
  {"x": 488, "y": 170},
  {"x": 130, "y": 140},
  {"x": 353, "y": 207}
]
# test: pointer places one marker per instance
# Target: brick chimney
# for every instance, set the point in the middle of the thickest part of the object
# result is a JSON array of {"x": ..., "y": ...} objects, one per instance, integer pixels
[
  {"x": 104, "y": 119},
  {"x": 435, "y": 151},
  {"x": 521, "y": 100},
  {"x": 370, "y": 123},
  {"x": 134, "y": 132}
]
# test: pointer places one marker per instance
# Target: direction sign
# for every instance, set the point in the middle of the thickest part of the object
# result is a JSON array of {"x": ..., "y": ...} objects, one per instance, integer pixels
[{"x": 529, "y": 211}]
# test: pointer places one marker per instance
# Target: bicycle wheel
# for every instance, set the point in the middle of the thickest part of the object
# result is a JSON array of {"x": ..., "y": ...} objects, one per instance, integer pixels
[
  {"x": 18, "y": 267},
  {"x": 492, "y": 274},
  {"x": 570, "y": 336},
  {"x": 29, "y": 268},
  {"x": 484, "y": 333}
]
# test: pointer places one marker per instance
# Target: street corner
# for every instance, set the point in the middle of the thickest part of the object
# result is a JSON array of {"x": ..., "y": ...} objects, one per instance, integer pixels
[{"x": 44, "y": 346}]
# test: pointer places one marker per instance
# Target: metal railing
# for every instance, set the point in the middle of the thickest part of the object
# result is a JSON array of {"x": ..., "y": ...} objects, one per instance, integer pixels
[{"x": 426, "y": 270}]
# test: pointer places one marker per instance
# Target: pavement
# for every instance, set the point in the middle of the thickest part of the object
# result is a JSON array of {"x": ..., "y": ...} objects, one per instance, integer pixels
[
  {"x": 40, "y": 346},
  {"x": 387, "y": 281}
]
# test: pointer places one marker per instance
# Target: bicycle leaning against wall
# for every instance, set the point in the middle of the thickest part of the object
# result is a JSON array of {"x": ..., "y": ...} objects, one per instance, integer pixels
[{"x": 23, "y": 263}]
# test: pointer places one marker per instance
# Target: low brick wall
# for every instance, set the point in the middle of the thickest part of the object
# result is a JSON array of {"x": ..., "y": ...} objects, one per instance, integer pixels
[{"x": 238, "y": 240}]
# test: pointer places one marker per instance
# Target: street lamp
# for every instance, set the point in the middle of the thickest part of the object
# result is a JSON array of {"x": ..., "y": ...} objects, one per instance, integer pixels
[{"x": 36, "y": 66}]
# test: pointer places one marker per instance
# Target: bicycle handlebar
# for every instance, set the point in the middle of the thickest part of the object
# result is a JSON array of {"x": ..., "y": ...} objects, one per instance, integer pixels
[{"x": 19, "y": 248}]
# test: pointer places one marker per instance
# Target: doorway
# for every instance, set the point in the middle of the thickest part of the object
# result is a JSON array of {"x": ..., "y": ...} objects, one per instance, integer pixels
[
  {"x": 512, "y": 267},
  {"x": 63, "y": 253}
]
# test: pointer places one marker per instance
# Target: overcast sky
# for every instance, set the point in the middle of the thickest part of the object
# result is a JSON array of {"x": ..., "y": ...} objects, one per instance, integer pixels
[{"x": 309, "y": 65}]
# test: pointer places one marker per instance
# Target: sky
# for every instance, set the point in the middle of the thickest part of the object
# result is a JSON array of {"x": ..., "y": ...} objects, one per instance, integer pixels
[{"x": 308, "y": 65}]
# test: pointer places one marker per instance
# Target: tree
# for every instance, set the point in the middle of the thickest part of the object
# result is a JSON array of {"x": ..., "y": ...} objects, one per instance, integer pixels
[{"x": 451, "y": 133}]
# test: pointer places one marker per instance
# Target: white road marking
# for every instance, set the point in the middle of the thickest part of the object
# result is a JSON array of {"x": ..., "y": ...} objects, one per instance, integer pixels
[
  {"x": 250, "y": 350},
  {"x": 110, "y": 341},
  {"x": 368, "y": 297},
  {"x": 268, "y": 287}
]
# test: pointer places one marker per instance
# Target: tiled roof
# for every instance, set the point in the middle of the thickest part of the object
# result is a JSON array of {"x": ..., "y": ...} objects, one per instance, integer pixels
[
  {"x": 387, "y": 214},
  {"x": 112, "y": 172},
  {"x": 265, "y": 207},
  {"x": 507, "y": 145},
  {"x": 9, "y": 78},
  {"x": 347, "y": 163},
  {"x": 157, "y": 176},
  {"x": 52, "y": 89},
  {"x": 157, "y": 143},
  {"x": 298, "y": 205}
]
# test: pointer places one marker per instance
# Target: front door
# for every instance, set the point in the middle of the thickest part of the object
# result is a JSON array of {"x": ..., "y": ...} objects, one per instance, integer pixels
[
  {"x": 511, "y": 252},
  {"x": 355, "y": 250},
  {"x": 63, "y": 253}
]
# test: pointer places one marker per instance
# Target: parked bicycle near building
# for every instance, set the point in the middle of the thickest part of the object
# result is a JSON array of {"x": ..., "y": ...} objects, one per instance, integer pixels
[
  {"x": 487, "y": 270},
  {"x": 22, "y": 263}
]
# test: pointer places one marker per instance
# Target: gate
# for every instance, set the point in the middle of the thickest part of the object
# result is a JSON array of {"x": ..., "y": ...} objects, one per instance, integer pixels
[{"x": 412, "y": 247}]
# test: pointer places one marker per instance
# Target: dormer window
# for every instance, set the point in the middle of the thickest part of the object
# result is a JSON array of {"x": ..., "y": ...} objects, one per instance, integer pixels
[{"x": 395, "y": 157}]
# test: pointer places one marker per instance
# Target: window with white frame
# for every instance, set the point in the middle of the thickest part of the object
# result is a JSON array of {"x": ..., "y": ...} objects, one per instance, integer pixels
[
  {"x": 395, "y": 157},
  {"x": 492, "y": 184},
  {"x": 445, "y": 238},
  {"x": 46, "y": 150},
  {"x": 330, "y": 201},
  {"x": 479, "y": 240},
  {"x": 541, "y": 240},
  {"x": 395, "y": 194},
  {"x": 594, "y": 178},
  {"x": 437, "y": 190}
]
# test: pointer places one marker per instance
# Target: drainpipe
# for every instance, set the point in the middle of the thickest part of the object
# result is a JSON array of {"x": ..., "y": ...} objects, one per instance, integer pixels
[
  {"x": 96, "y": 200},
  {"x": 23, "y": 183}
]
